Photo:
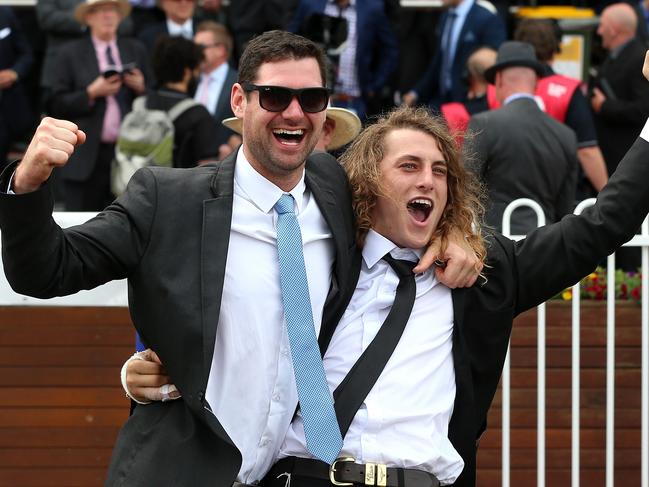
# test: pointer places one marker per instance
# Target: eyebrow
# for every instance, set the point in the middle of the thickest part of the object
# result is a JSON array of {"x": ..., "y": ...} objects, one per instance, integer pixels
[{"x": 419, "y": 159}]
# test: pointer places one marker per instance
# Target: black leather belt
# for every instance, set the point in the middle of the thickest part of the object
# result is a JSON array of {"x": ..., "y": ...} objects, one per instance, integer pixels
[{"x": 345, "y": 471}]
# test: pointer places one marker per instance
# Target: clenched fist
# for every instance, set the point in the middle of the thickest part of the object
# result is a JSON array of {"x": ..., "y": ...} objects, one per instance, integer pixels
[{"x": 52, "y": 145}]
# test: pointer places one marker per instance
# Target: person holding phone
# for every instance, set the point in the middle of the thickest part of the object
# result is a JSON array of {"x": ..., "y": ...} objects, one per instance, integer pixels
[{"x": 94, "y": 83}]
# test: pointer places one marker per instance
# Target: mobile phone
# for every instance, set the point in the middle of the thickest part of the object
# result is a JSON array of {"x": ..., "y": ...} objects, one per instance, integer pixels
[{"x": 112, "y": 71}]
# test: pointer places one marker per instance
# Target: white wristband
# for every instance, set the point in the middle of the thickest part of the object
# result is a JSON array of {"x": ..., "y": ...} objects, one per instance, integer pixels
[{"x": 122, "y": 375}]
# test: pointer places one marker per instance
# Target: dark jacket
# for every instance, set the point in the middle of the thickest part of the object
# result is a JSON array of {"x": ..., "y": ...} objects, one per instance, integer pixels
[
  {"x": 520, "y": 152},
  {"x": 194, "y": 129},
  {"x": 481, "y": 28},
  {"x": 377, "y": 50},
  {"x": 76, "y": 68},
  {"x": 620, "y": 120}
]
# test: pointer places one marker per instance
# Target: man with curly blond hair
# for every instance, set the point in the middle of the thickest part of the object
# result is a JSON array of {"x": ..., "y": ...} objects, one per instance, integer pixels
[
  {"x": 422, "y": 410},
  {"x": 423, "y": 417}
]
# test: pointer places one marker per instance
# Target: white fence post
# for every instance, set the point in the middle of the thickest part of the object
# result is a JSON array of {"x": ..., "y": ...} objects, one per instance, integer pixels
[
  {"x": 642, "y": 241},
  {"x": 540, "y": 370}
]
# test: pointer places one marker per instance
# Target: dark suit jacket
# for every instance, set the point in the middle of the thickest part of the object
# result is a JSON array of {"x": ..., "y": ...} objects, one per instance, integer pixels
[
  {"x": 223, "y": 108},
  {"x": 15, "y": 53},
  {"x": 481, "y": 28},
  {"x": 377, "y": 49},
  {"x": 174, "y": 303},
  {"x": 521, "y": 275},
  {"x": 76, "y": 68},
  {"x": 150, "y": 34},
  {"x": 248, "y": 18},
  {"x": 520, "y": 152},
  {"x": 619, "y": 122}
]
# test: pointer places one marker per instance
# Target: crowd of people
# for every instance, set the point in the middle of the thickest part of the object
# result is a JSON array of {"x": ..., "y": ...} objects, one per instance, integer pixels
[
  {"x": 287, "y": 294},
  {"x": 372, "y": 67}
]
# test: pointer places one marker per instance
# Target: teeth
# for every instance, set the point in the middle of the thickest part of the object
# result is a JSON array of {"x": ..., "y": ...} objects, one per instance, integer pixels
[
  {"x": 288, "y": 132},
  {"x": 421, "y": 202}
]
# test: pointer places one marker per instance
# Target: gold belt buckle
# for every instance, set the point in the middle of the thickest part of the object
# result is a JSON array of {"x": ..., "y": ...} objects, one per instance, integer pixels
[{"x": 332, "y": 470}]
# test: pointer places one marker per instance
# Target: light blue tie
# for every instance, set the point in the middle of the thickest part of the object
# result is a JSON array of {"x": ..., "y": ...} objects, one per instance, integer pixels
[{"x": 323, "y": 438}]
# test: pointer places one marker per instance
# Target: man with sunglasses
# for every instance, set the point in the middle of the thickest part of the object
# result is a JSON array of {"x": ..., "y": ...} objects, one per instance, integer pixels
[{"x": 191, "y": 243}]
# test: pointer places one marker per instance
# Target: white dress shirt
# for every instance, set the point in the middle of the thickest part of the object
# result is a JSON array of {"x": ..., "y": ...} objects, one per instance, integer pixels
[
  {"x": 347, "y": 82},
  {"x": 214, "y": 87},
  {"x": 251, "y": 387},
  {"x": 404, "y": 420}
]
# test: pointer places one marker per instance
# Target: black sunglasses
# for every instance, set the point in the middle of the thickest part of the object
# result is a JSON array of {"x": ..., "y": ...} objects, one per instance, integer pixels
[{"x": 278, "y": 98}]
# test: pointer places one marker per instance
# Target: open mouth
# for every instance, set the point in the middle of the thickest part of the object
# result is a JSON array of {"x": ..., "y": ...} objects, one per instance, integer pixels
[
  {"x": 420, "y": 208},
  {"x": 289, "y": 137}
]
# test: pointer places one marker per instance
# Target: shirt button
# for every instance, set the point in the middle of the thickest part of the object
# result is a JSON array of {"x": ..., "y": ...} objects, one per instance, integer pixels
[
  {"x": 276, "y": 397},
  {"x": 264, "y": 442},
  {"x": 285, "y": 352}
]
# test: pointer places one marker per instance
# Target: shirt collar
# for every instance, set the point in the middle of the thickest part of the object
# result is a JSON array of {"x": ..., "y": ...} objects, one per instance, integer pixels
[
  {"x": 175, "y": 29},
  {"x": 518, "y": 96},
  {"x": 99, "y": 44},
  {"x": 218, "y": 73},
  {"x": 259, "y": 190},
  {"x": 376, "y": 246},
  {"x": 463, "y": 8}
]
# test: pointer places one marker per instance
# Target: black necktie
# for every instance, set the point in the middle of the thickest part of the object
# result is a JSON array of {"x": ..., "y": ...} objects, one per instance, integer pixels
[
  {"x": 121, "y": 95},
  {"x": 355, "y": 387},
  {"x": 109, "y": 57}
]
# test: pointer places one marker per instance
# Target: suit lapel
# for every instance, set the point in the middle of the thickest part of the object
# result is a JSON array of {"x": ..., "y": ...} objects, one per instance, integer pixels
[
  {"x": 215, "y": 238},
  {"x": 223, "y": 102},
  {"x": 463, "y": 420},
  {"x": 89, "y": 59},
  {"x": 332, "y": 215}
]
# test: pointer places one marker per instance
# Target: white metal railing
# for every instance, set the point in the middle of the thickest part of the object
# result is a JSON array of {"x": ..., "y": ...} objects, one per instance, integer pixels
[{"x": 641, "y": 240}]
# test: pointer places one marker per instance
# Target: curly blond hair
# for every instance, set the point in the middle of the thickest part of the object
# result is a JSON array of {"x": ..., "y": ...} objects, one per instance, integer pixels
[{"x": 464, "y": 209}]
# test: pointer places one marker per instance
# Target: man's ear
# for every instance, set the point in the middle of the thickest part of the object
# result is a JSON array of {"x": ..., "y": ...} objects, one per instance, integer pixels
[{"x": 238, "y": 100}]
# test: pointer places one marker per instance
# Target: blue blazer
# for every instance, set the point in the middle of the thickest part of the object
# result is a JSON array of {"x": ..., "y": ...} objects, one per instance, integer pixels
[
  {"x": 377, "y": 49},
  {"x": 481, "y": 28}
]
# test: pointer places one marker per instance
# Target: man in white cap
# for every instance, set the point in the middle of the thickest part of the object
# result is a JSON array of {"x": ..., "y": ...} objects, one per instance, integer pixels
[{"x": 94, "y": 83}]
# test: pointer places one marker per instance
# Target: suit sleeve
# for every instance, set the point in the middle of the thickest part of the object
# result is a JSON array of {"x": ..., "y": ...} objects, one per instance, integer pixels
[
  {"x": 635, "y": 107},
  {"x": 556, "y": 256},
  {"x": 387, "y": 51},
  {"x": 494, "y": 32},
  {"x": 143, "y": 62},
  {"x": 42, "y": 260}
]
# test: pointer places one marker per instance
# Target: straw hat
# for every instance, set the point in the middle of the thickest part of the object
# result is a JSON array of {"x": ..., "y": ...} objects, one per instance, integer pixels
[
  {"x": 123, "y": 7},
  {"x": 348, "y": 126},
  {"x": 514, "y": 53}
]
